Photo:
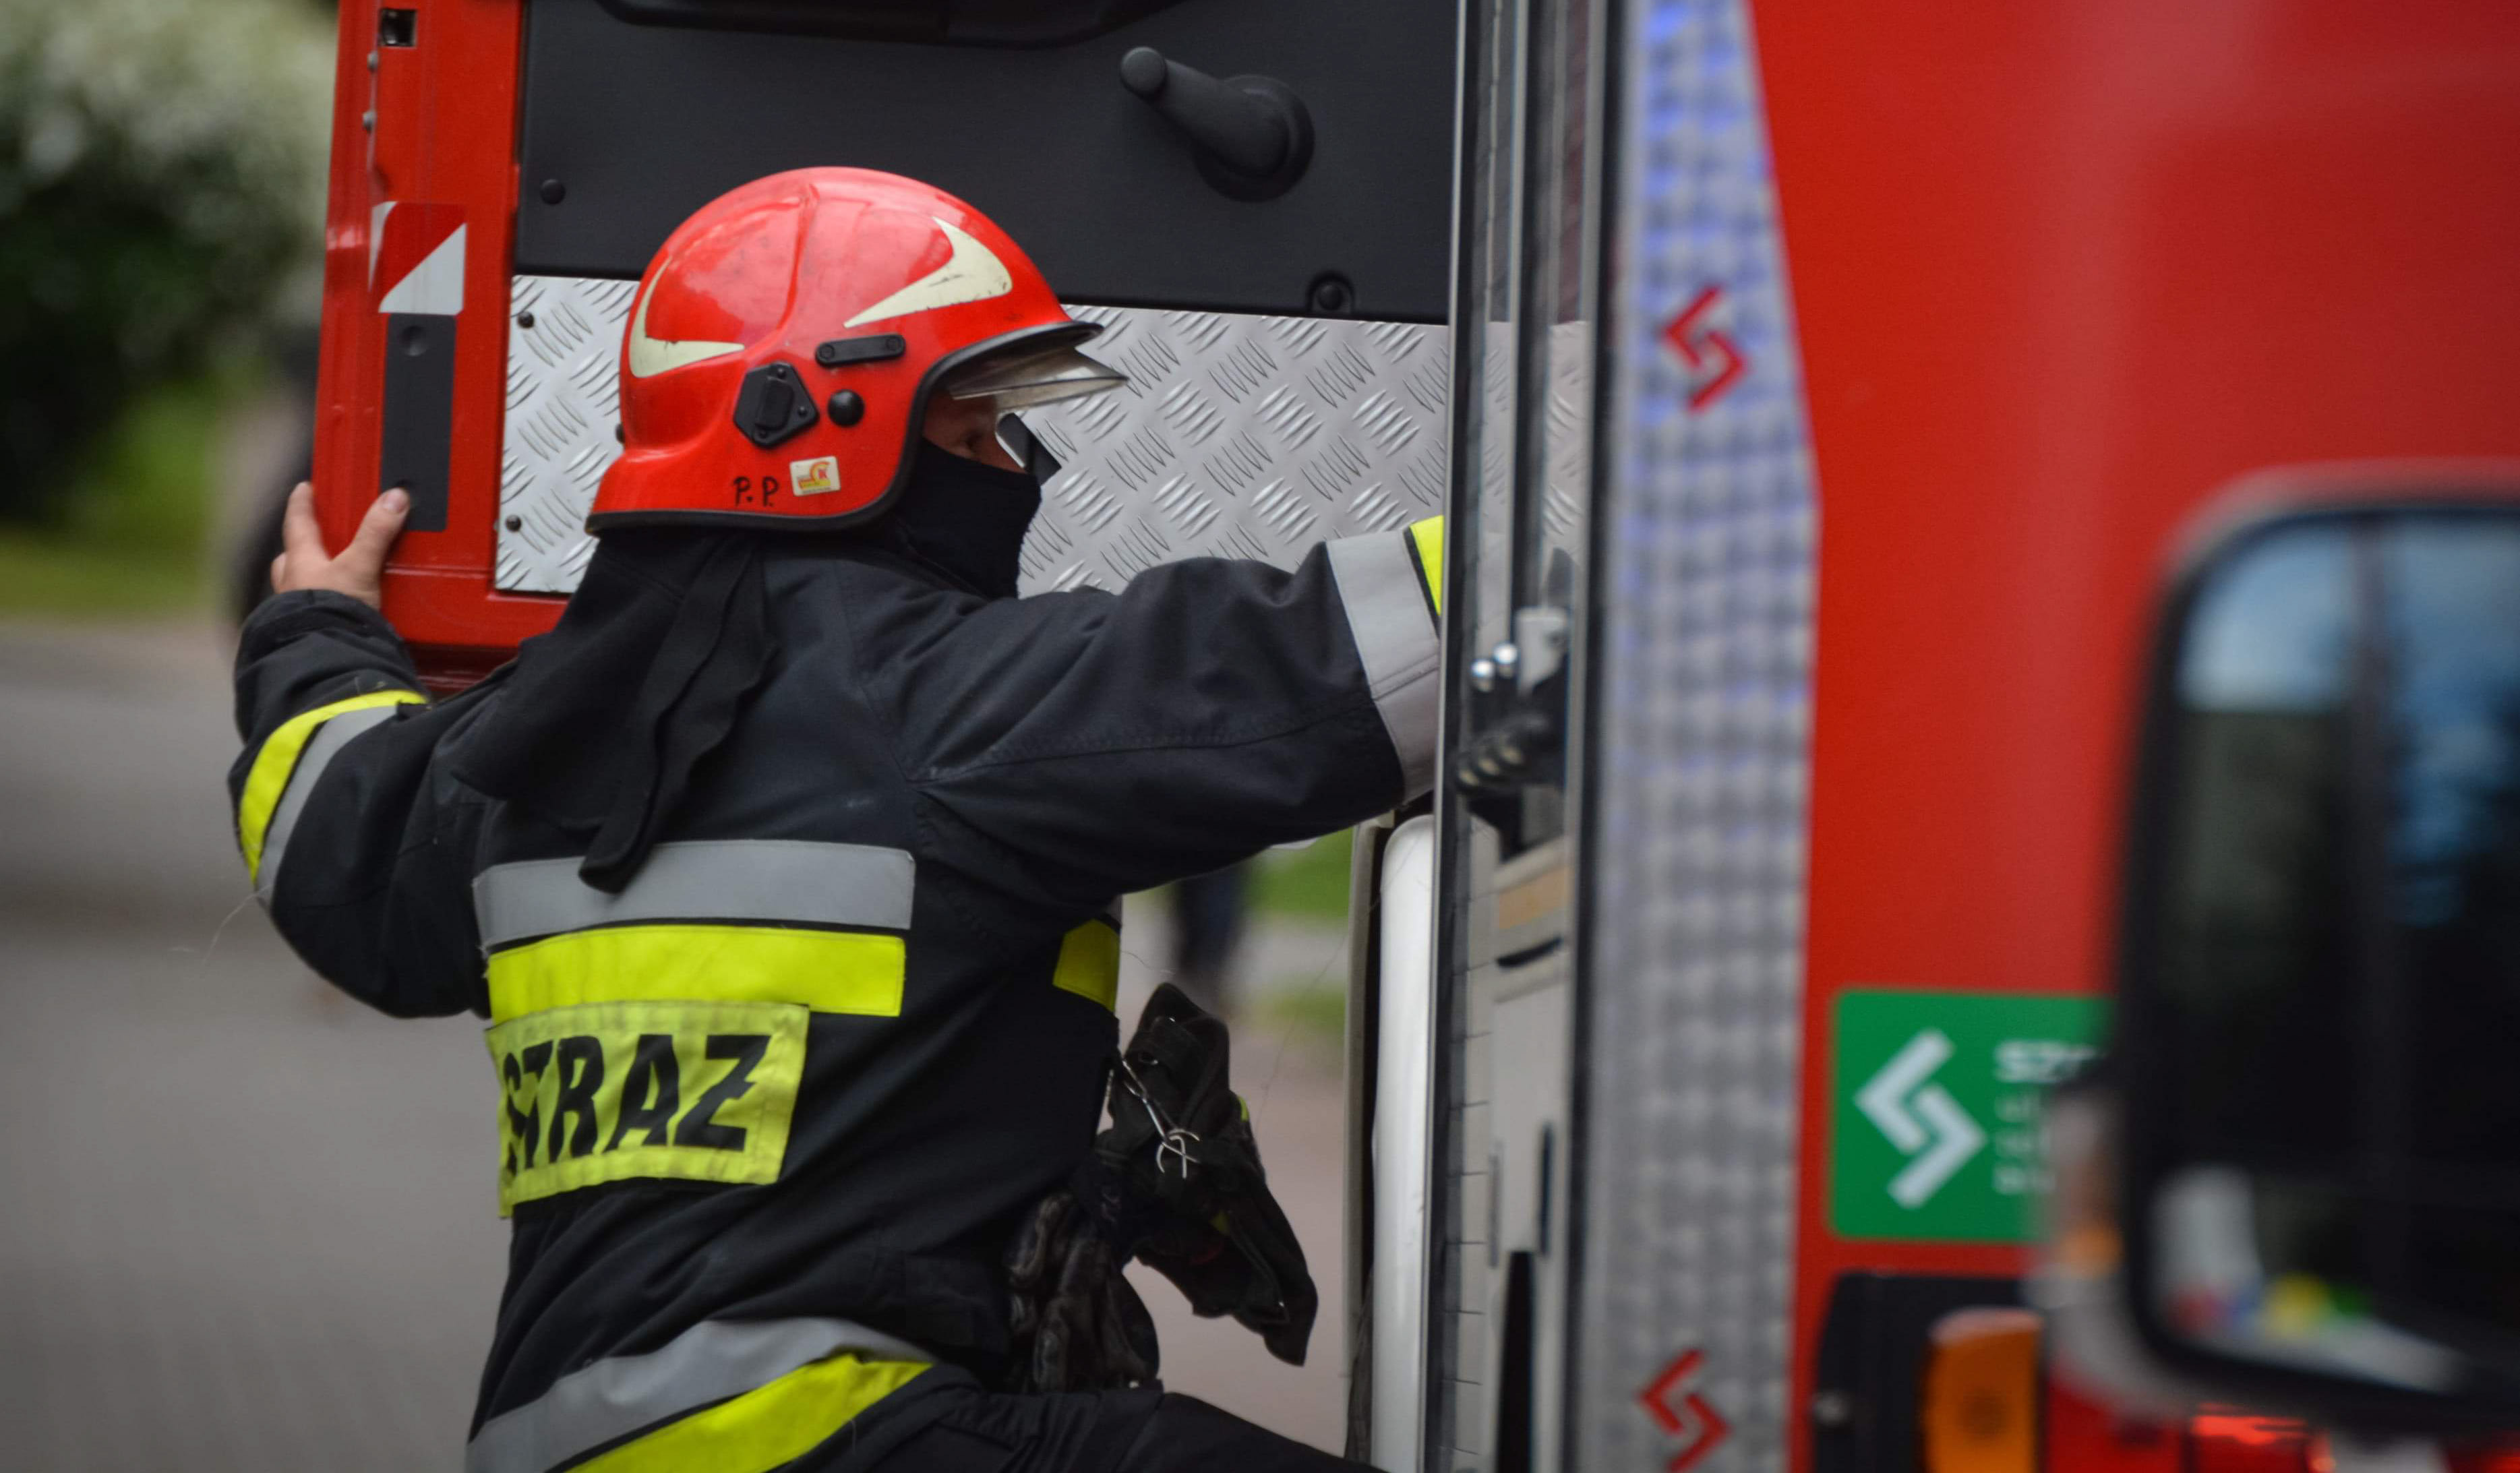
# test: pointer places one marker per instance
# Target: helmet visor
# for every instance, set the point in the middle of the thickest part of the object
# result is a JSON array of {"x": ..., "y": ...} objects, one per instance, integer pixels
[{"x": 1029, "y": 381}]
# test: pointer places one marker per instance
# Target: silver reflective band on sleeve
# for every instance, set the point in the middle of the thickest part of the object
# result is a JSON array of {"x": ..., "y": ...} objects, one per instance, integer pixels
[
  {"x": 708, "y": 1362},
  {"x": 328, "y": 741},
  {"x": 1397, "y": 638},
  {"x": 770, "y": 880}
]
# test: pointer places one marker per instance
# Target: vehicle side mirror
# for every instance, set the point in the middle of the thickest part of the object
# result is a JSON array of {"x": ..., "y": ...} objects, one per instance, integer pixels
[{"x": 2315, "y": 1079}]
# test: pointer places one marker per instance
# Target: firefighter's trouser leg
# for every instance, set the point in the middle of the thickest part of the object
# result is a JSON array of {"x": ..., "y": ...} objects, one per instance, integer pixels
[
  {"x": 1186, "y": 1433},
  {"x": 947, "y": 1423}
]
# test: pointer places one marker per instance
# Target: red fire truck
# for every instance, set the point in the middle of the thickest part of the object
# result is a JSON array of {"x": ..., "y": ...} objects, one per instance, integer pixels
[{"x": 1989, "y": 535}]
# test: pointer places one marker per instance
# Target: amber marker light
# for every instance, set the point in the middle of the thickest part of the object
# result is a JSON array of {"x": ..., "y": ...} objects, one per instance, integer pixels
[{"x": 1980, "y": 1392}]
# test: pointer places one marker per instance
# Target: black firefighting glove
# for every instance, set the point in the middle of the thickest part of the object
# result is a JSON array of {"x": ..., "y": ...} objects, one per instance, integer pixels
[
  {"x": 1078, "y": 1324},
  {"x": 1176, "y": 1182},
  {"x": 1185, "y": 1188}
]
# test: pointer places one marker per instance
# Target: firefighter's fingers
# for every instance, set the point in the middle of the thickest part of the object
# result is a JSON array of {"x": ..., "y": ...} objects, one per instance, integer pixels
[
  {"x": 299, "y": 535},
  {"x": 364, "y": 556}
]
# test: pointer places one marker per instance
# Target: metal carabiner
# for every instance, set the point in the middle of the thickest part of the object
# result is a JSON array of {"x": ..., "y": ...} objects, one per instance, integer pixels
[{"x": 1178, "y": 1141}]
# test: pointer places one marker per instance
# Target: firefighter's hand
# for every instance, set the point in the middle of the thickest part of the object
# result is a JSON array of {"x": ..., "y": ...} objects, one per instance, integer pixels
[{"x": 360, "y": 570}]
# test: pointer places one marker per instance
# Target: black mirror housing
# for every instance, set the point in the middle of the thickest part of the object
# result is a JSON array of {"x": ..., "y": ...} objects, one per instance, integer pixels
[{"x": 2319, "y": 1153}]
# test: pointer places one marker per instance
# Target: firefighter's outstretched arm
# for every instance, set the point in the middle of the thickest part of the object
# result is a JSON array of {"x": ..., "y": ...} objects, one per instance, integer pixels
[
  {"x": 333, "y": 796},
  {"x": 1108, "y": 742}
]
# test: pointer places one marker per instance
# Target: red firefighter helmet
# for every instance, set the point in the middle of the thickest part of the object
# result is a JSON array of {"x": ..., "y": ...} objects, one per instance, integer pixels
[{"x": 787, "y": 339}]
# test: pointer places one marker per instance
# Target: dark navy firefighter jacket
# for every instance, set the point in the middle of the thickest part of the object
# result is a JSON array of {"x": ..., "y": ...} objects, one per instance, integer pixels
[{"x": 788, "y": 1091}]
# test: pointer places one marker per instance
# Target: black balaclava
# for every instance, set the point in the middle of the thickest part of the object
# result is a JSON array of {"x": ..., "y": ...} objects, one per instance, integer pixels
[
  {"x": 965, "y": 519},
  {"x": 605, "y": 718}
]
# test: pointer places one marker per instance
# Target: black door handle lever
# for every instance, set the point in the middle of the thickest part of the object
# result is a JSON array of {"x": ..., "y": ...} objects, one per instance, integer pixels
[{"x": 1249, "y": 135}]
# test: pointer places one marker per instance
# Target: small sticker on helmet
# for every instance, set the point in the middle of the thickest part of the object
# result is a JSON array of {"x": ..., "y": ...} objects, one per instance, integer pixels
[{"x": 815, "y": 476}]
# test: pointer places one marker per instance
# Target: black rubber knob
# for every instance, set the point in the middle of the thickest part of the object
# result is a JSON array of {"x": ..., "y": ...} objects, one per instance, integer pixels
[
  {"x": 1143, "y": 71},
  {"x": 1251, "y": 135}
]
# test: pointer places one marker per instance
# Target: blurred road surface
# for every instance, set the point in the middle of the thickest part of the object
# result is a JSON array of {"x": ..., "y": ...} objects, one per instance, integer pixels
[{"x": 245, "y": 1224}]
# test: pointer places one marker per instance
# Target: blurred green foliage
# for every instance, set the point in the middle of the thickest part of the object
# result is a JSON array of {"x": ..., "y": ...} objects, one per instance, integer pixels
[
  {"x": 128, "y": 535},
  {"x": 1312, "y": 1012},
  {"x": 1309, "y": 882},
  {"x": 161, "y": 184}
]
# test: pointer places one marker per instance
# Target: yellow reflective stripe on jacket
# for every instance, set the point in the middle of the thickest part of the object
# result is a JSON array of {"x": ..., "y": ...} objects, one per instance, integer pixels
[
  {"x": 827, "y": 972},
  {"x": 766, "y": 1427},
  {"x": 1089, "y": 963},
  {"x": 1426, "y": 538},
  {"x": 272, "y": 765}
]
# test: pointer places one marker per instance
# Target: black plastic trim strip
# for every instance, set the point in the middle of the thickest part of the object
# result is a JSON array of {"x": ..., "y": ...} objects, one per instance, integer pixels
[{"x": 418, "y": 415}]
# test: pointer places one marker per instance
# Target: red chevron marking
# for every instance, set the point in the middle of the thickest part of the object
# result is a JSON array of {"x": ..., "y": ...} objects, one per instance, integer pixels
[{"x": 1699, "y": 345}]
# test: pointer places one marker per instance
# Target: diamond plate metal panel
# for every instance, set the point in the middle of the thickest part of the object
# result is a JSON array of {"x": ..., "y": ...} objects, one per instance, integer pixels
[
  {"x": 1567, "y": 484},
  {"x": 1699, "y": 804},
  {"x": 1237, "y": 436},
  {"x": 1492, "y": 570},
  {"x": 564, "y": 402}
]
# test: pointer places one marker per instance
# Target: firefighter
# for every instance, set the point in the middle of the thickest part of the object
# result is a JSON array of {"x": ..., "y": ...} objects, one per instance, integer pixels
[{"x": 785, "y": 870}]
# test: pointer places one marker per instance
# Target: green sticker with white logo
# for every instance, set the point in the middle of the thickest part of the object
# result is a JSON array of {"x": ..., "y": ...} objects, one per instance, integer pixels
[{"x": 1935, "y": 1111}]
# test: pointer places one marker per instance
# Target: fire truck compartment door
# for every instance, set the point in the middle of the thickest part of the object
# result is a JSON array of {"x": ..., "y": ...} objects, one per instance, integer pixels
[
  {"x": 628, "y": 127},
  {"x": 1287, "y": 356}
]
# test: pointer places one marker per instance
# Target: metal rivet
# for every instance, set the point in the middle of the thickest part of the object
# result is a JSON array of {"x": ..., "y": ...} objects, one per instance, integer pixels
[
  {"x": 515, "y": 523},
  {"x": 372, "y": 61},
  {"x": 553, "y": 192},
  {"x": 368, "y": 120},
  {"x": 526, "y": 320},
  {"x": 1831, "y": 1408}
]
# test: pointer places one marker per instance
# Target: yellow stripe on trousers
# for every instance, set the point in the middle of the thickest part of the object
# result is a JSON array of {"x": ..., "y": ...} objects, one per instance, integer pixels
[
  {"x": 1089, "y": 963},
  {"x": 277, "y": 759},
  {"x": 827, "y": 972},
  {"x": 766, "y": 1427}
]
